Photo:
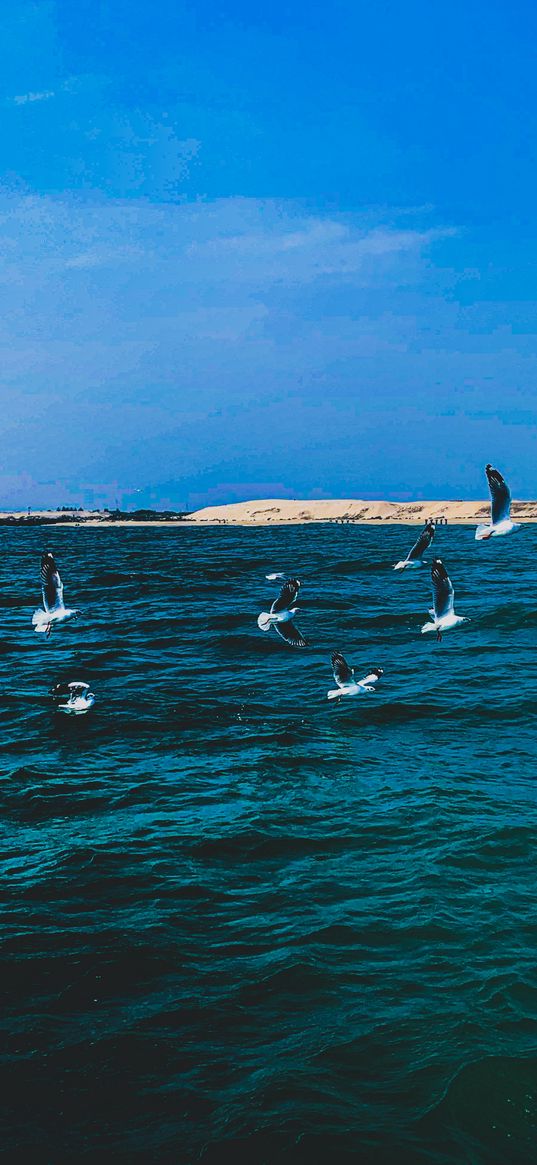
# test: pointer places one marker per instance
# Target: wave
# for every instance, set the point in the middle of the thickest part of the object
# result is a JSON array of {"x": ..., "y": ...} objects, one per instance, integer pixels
[{"x": 240, "y": 922}]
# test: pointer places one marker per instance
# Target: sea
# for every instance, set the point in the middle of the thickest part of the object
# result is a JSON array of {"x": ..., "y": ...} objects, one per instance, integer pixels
[{"x": 244, "y": 924}]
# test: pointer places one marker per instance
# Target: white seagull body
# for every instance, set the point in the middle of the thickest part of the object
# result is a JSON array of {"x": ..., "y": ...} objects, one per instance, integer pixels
[
  {"x": 276, "y": 577},
  {"x": 500, "y": 508},
  {"x": 442, "y": 612},
  {"x": 415, "y": 556},
  {"x": 346, "y": 683},
  {"x": 78, "y": 700},
  {"x": 54, "y": 609},
  {"x": 282, "y": 613}
]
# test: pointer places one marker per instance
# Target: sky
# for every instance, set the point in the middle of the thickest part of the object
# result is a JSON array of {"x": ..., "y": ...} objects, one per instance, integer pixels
[{"x": 277, "y": 251}]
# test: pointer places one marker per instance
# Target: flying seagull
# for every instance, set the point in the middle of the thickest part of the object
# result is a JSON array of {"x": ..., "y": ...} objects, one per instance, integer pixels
[
  {"x": 276, "y": 577},
  {"x": 282, "y": 613},
  {"x": 500, "y": 508},
  {"x": 344, "y": 677},
  {"x": 54, "y": 610},
  {"x": 414, "y": 556},
  {"x": 442, "y": 612}
]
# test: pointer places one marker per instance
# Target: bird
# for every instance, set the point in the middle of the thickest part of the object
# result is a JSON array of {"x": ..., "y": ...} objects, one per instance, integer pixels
[
  {"x": 54, "y": 610},
  {"x": 278, "y": 574},
  {"x": 500, "y": 508},
  {"x": 344, "y": 677},
  {"x": 414, "y": 556},
  {"x": 282, "y": 613},
  {"x": 76, "y": 697},
  {"x": 442, "y": 611}
]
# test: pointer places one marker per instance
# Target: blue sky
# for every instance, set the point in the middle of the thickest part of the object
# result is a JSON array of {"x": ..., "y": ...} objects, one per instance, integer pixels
[{"x": 266, "y": 253}]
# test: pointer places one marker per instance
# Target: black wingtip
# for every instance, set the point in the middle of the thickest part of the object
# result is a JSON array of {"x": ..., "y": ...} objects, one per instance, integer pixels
[{"x": 48, "y": 563}]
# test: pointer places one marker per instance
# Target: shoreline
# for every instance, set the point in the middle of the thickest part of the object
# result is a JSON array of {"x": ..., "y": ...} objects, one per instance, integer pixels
[{"x": 278, "y": 512}]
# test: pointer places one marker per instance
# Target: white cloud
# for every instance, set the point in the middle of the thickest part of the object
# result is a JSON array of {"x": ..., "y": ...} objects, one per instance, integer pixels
[
  {"x": 27, "y": 98},
  {"x": 168, "y": 336},
  {"x": 248, "y": 243}
]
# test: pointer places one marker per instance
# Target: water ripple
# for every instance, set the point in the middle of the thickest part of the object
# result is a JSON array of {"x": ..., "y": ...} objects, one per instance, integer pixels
[{"x": 240, "y": 923}]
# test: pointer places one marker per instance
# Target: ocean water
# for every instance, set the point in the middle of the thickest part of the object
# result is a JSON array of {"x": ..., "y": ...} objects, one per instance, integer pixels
[{"x": 241, "y": 924}]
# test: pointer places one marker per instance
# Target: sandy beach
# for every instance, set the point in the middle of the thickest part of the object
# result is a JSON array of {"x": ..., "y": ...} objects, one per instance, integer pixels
[{"x": 277, "y": 511}]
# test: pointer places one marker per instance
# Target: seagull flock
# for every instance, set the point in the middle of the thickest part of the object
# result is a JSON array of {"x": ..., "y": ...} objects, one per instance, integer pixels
[
  {"x": 442, "y": 613},
  {"x": 76, "y": 698}
]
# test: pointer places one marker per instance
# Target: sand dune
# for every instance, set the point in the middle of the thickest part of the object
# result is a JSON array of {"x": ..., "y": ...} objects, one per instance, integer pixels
[
  {"x": 280, "y": 511},
  {"x": 276, "y": 511}
]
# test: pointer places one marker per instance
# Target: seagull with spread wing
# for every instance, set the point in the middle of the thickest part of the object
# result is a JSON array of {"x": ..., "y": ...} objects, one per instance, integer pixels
[
  {"x": 415, "y": 556},
  {"x": 282, "y": 613},
  {"x": 442, "y": 612},
  {"x": 54, "y": 609},
  {"x": 346, "y": 683},
  {"x": 500, "y": 508},
  {"x": 75, "y": 696}
]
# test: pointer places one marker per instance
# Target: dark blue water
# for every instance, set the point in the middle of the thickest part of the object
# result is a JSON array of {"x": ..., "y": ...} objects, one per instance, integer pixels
[{"x": 242, "y": 924}]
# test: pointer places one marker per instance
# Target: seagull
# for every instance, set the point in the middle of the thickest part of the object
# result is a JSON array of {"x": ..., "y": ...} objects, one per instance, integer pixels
[
  {"x": 414, "y": 556},
  {"x": 52, "y": 588},
  {"x": 282, "y": 613},
  {"x": 344, "y": 677},
  {"x": 76, "y": 696},
  {"x": 500, "y": 508},
  {"x": 442, "y": 612},
  {"x": 276, "y": 577}
]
